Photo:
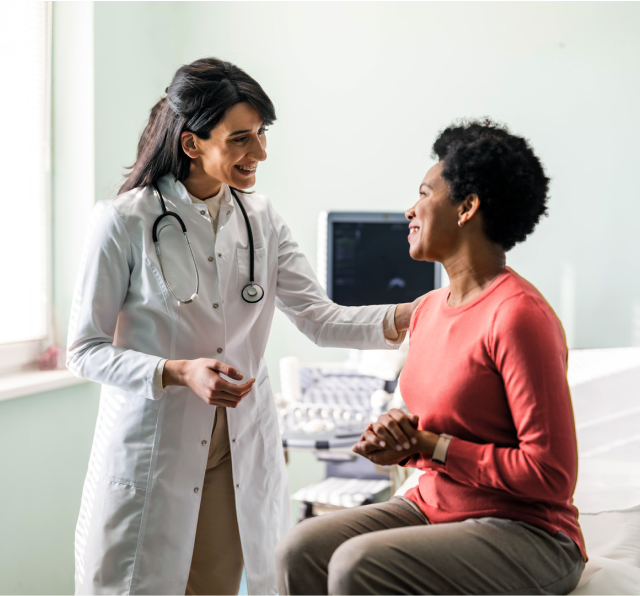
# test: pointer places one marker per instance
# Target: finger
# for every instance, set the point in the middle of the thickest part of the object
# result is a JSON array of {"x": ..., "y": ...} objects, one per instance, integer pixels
[
  {"x": 222, "y": 386},
  {"x": 225, "y": 369},
  {"x": 407, "y": 428},
  {"x": 230, "y": 401},
  {"x": 233, "y": 398},
  {"x": 371, "y": 438},
  {"x": 414, "y": 419},
  {"x": 225, "y": 403},
  {"x": 364, "y": 449},
  {"x": 383, "y": 433},
  {"x": 398, "y": 433}
]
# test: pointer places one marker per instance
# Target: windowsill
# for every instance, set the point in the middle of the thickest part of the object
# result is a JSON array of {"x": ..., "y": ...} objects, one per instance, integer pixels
[{"x": 28, "y": 382}]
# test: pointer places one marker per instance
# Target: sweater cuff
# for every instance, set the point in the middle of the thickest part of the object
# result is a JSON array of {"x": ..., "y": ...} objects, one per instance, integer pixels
[{"x": 409, "y": 462}]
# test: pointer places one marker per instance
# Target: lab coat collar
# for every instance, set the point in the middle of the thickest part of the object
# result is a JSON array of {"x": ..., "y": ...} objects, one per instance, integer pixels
[{"x": 169, "y": 185}]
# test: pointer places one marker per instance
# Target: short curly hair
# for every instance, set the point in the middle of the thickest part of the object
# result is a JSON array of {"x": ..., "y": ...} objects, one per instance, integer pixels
[{"x": 484, "y": 158}]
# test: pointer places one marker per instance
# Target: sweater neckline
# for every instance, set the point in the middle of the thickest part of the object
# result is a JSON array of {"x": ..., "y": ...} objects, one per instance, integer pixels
[{"x": 453, "y": 311}]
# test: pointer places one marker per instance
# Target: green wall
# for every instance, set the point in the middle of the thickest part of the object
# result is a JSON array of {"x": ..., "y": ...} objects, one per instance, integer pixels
[{"x": 44, "y": 450}]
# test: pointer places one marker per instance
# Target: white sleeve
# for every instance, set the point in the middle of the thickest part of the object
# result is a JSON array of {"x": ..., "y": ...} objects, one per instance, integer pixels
[
  {"x": 101, "y": 287},
  {"x": 157, "y": 377},
  {"x": 302, "y": 299},
  {"x": 389, "y": 325}
]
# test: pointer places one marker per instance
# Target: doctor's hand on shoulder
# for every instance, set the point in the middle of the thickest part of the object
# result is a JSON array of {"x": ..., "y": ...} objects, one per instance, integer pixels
[{"x": 203, "y": 377}]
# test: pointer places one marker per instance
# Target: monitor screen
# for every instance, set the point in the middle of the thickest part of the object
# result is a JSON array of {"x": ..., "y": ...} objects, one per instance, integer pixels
[{"x": 368, "y": 261}]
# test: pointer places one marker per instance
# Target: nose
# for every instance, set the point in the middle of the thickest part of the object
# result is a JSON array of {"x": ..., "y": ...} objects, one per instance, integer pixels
[
  {"x": 258, "y": 149},
  {"x": 410, "y": 213}
]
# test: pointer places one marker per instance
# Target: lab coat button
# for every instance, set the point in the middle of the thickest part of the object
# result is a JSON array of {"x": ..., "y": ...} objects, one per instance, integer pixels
[
  {"x": 215, "y": 305},
  {"x": 204, "y": 441},
  {"x": 210, "y": 259},
  {"x": 196, "y": 490},
  {"x": 219, "y": 350},
  {"x": 201, "y": 212},
  {"x": 228, "y": 212},
  {"x": 220, "y": 254},
  {"x": 237, "y": 486},
  {"x": 233, "y": 440}
]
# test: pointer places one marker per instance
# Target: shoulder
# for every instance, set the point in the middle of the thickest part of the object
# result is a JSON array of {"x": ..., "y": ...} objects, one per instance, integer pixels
[
  {"x": 428, "y": 304},
  {"x": 136, "y": 203},
  {"x": 522, "y": 310}
]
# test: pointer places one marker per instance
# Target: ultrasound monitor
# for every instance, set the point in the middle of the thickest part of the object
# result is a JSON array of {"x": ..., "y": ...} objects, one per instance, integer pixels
[{"x": 365, "y": 259}]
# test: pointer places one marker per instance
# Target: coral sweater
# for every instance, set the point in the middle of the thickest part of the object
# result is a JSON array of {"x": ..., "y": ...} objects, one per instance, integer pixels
[{"x": 492, "y": 373}]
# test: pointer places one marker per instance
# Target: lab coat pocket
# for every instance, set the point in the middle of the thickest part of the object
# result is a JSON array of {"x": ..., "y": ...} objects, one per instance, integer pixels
[
  {"x": 273, "y": 454},
  {"x": 128, "y": 429},
  {"x": 109, "y": 558},
  {"x": 260, "y": 272}
]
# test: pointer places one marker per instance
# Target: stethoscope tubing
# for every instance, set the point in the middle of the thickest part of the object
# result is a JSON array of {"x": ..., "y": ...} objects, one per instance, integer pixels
[{"x": 251, "y": 293}]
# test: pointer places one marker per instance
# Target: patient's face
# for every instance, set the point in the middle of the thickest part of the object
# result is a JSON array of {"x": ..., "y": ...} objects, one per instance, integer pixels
[{"x": 434, "y": 219}]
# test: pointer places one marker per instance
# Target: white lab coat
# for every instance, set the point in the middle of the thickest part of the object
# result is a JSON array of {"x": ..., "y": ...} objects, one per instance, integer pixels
[{"x": 139, "y": 511}]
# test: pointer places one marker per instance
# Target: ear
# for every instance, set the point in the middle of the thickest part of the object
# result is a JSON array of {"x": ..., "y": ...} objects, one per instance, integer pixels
[
  {"x": 468, "y": 208},
  {"x": 189, "y": 144}
]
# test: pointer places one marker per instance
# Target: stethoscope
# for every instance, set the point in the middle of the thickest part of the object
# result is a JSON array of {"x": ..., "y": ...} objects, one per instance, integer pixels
[{"x": 251, "y": 293}]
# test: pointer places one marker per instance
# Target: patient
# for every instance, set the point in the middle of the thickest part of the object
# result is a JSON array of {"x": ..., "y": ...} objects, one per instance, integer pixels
[{"x": 491, "y": 422}]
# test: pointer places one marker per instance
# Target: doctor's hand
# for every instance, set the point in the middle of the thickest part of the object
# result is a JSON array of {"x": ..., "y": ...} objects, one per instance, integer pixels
[
  {"x": 202, "y": 376},
  {"x": 404, "y": 312}
]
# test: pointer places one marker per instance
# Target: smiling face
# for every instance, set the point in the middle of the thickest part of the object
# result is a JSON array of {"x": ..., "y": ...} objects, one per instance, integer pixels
[
  {"x": 433, "y": 227},
  {"x": 232, "y": 153}
]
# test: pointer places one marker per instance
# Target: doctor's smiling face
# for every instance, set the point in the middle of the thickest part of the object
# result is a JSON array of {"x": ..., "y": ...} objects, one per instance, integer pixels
[
  {"x": 230, "y": 155},
  {"x": 433, "y": 226}
]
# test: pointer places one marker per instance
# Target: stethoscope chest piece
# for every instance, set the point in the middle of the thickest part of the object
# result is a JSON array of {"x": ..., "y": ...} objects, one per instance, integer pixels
[{"x": 252, "y": 293}]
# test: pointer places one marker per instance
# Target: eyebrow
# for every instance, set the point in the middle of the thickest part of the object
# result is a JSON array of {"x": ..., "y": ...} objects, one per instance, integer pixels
[
  {"x": 243, "y": 132},
  {"x": 425, "y": 184}
]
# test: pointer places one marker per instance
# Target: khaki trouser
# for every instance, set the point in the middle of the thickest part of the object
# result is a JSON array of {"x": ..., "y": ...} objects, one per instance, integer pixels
[
  {"x": 216, "y": 566},
  {"x": 391, "y": 548}
]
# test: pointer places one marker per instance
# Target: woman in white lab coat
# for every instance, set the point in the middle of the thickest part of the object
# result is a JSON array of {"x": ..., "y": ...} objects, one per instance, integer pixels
[{"x": 161, "y": 364}]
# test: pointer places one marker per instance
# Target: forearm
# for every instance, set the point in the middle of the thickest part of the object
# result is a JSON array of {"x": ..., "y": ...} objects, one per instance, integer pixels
[
  {"x": 523, "y": 473},
  {"x": 175, "y": 373}
]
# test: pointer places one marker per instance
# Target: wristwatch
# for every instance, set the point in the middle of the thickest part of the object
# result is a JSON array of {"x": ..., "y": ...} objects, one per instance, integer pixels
[{"x": 442, "y": 446}]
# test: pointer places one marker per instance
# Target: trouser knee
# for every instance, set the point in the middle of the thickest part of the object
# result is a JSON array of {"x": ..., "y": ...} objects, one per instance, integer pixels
[
  {"x": 291, "y": 557},
  {"x": 347, "y": 569}
]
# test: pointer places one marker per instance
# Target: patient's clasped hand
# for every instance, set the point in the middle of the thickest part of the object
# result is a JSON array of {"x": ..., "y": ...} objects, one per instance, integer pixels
[{"x": 394, "y": 438}]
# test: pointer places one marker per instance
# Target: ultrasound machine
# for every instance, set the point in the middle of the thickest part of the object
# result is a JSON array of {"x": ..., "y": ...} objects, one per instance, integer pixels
[{"x": 363, "y": 258}]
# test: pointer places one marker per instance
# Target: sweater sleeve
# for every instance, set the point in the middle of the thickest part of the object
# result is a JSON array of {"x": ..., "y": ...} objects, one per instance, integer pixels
[{"x": 529, "y": 351}]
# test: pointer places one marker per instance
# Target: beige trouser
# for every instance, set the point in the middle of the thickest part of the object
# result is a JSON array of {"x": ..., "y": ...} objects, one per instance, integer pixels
[
  {"x": 391, "y": 548},
  {"x": 216, "y": 566}
]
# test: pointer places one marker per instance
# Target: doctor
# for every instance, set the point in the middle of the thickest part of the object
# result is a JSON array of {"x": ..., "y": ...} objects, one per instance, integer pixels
[{"x": 186, "y": 479}]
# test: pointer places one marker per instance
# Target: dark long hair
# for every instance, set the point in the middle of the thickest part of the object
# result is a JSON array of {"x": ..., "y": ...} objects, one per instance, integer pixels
[{"x": 196, "y": 101}]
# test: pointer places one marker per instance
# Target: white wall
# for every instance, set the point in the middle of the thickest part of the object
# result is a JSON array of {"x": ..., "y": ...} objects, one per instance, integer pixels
[{"x": 362, "y": 89}]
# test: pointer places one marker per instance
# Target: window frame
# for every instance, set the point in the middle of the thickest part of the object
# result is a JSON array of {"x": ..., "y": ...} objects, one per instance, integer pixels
[{"x": 23, "y": 355}]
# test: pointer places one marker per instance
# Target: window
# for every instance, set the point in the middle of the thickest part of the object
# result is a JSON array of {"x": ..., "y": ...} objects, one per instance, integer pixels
[{"x": 25, "y": 247}]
